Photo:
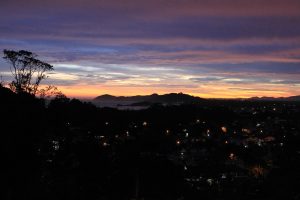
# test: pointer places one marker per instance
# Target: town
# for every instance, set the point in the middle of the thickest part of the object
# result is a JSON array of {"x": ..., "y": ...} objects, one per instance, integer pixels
[{"x": 218, "y": 150}]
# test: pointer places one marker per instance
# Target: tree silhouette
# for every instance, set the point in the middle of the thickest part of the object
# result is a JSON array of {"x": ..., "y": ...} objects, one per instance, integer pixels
[
  {"x": 27, "y": 70},
  {"x": 1, "y": 81}
]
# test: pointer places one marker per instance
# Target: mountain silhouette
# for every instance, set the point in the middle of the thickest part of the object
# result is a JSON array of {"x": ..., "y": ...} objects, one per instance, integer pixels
[
  {"x": 178, "y": 98},
  {"x": 291, "y": 98},
  {"x": 171, "y": 98}
]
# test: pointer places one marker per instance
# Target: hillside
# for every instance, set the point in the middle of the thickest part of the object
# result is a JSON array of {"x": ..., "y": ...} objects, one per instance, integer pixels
[{"x": 171, "y": 98}]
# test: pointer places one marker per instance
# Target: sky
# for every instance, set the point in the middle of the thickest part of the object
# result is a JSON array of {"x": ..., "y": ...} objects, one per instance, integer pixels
[{"x": 206, "y": 48}]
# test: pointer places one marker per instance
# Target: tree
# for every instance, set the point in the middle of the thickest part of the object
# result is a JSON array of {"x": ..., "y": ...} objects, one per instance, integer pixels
[
  {"x": 50, "y": 91},
  {"x": 1, "y": 82},
  {"x": 27, "y": 70}
]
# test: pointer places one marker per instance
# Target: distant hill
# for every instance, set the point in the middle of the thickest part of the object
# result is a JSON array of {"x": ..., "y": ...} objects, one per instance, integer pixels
[
  {"x": 291, "y": 98},
  {"x": 172, "y": 98},
  {"x": 107, "y": 100}
]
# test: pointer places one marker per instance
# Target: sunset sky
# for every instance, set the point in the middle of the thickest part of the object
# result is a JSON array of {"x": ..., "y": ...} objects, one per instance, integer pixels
[{"x": 207, "y": 48}]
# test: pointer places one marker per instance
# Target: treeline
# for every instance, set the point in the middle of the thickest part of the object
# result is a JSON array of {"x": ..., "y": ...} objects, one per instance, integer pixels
[{"x": 51, "y": 151}]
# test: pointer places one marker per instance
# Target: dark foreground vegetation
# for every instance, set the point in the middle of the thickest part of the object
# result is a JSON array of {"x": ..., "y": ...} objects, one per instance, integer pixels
[{"x": 67, "y": 149}]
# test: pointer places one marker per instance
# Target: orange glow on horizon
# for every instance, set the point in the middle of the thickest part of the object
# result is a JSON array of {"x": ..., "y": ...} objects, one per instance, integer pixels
[{"x": 90, "y": 92}]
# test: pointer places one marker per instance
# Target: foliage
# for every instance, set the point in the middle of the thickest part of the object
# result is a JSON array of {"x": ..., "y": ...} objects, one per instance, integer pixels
[
  {"x": 27, "y": 71},
  {"x": 49, "y": 91},
  {"x": 1, "y": 82}
]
